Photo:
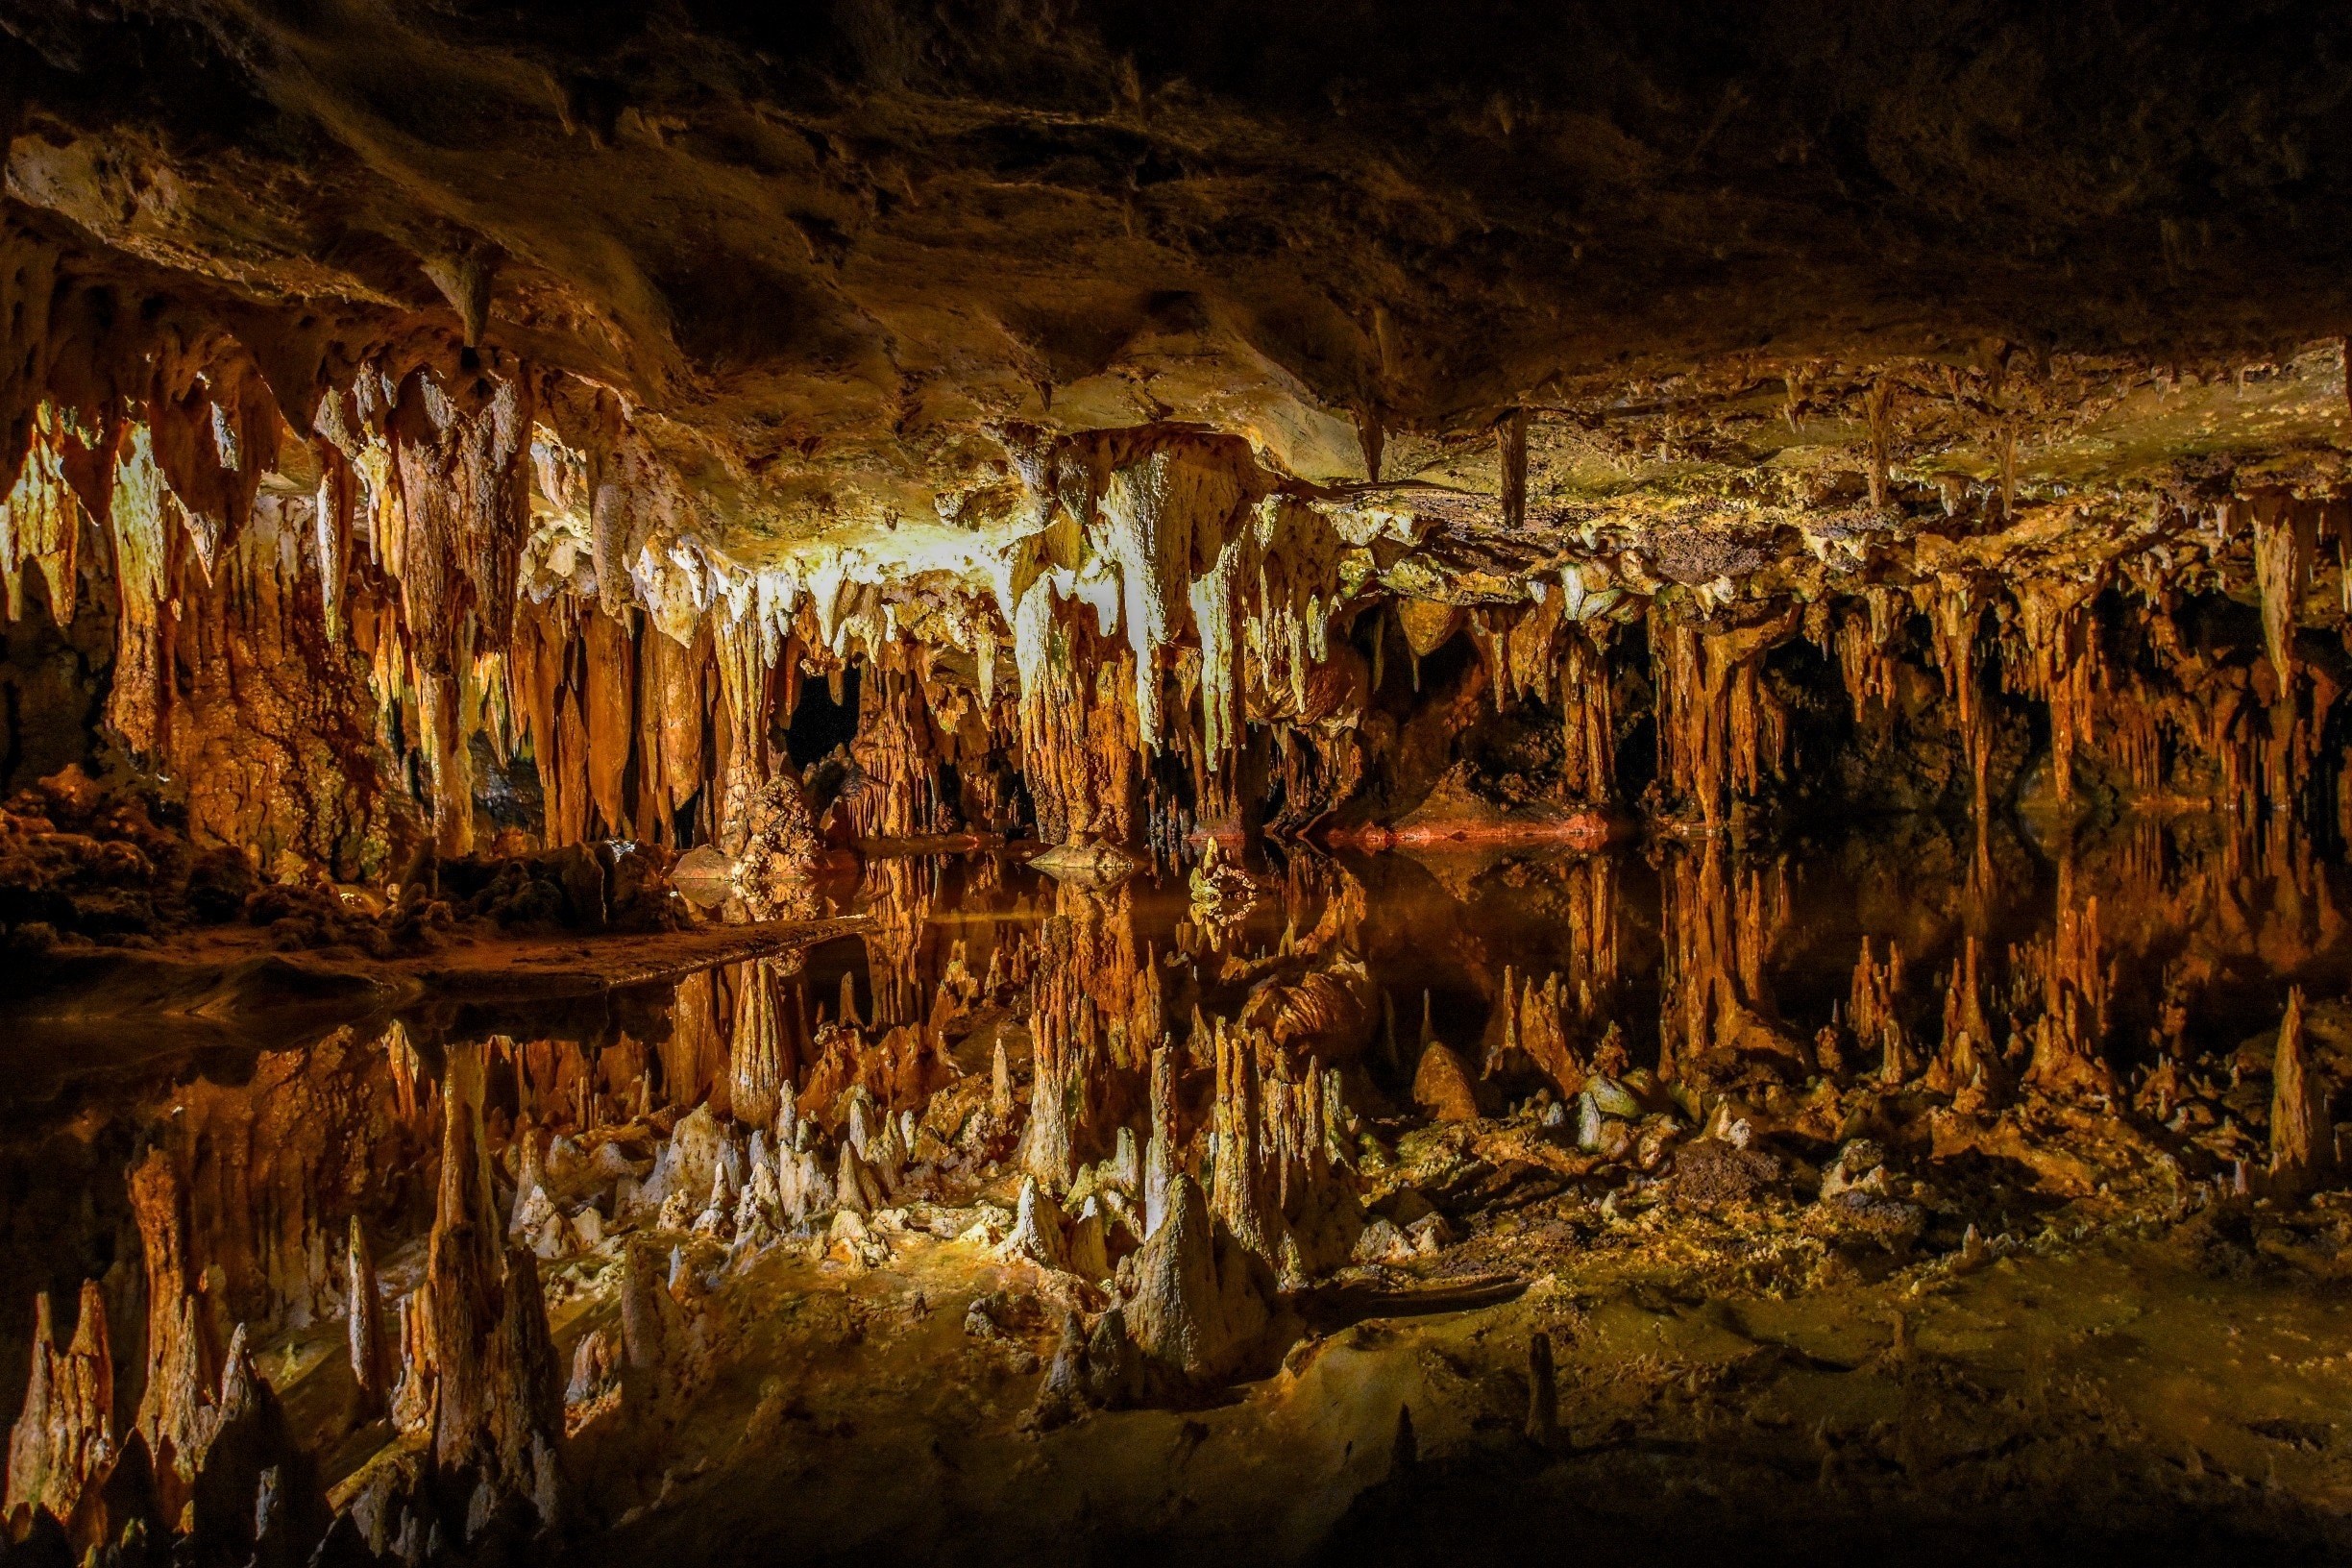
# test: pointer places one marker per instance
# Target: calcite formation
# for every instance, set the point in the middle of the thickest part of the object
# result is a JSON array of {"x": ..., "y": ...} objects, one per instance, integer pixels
[{"x": 508, "y": 519}]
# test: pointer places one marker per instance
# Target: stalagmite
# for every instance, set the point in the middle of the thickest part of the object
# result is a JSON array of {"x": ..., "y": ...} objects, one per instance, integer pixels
[
  {"x": 1443, "y": 1086},
  {"x": 1198, "y": 1307},
  {"x": 1089, "y": 1256},
  {"x": 370, "y": 1355},
  {"x": 1160, "y": 1150},
  {"x": 2302, "y": 1138},
  {"x": 1511, "y": 457},
  {"x": 1037, "y": 1229},
  {"x": 63, "y": 1445}
]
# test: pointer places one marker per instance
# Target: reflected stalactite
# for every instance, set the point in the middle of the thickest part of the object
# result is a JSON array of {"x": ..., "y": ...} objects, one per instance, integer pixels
[
  {"x": 63, "y": 1445},
  {"x": 1720, "y": 916},
  {"x": 2074, "y": 975},
  {"x": 762, "y": 1052},
  {"x": 904, "y": 955},
  {"x": 497, "y": 1402},
  {"x": 1968, "y": 1066},
  {"x": 694, "y": 1058}
]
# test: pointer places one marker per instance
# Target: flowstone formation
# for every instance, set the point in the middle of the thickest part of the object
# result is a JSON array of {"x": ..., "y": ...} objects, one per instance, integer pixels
[{"x": 898, "y": 738}]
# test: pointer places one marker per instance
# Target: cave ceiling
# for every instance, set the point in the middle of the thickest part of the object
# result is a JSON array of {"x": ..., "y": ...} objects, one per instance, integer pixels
[{"x": 1769, "y": 277}]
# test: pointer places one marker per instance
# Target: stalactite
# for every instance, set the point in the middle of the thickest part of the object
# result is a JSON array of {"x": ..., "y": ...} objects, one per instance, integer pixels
[
  {"x": 897, "y": 751},
  {"x": 1953, "y": 620},
  {"x": 40, "y": 520},
  {"x": 1866, "y": 654},
  {"x": 1079, "y": 734},
  {"x": 2060, "y": 666},
  {"x": 461, "y": 457},
  {"x": 2284, "y": 549},
  {"x": 1588, "y": 769},
  {"x": 1717, "y": 729},
  {"x": 747, "y": 653},
  {"x": 145, "y": 521},
  {"x": 670, "y": 751},
  {"x": 608, "y": 703}
]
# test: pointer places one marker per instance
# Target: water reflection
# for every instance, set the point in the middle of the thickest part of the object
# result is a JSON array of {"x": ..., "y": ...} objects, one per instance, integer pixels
[{"x": 1969, "y": 967}]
